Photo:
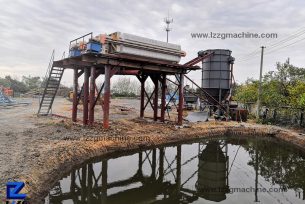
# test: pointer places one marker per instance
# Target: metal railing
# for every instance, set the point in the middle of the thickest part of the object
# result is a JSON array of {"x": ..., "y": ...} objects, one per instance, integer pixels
[{"x": 80, "y": 39}]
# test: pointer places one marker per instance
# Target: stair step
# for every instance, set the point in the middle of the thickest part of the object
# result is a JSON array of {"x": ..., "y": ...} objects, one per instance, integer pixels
[
  {"x": 54, "y": 73},
  {"x": 53, "y": 85},
  {"x": 43, "y": 114},
  {"x": 51, "y": 88}
]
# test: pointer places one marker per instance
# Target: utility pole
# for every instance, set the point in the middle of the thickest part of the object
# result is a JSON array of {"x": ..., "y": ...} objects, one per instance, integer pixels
[
  {"x": 168, "y": 21},
  {"x": 260, "y": 84}
]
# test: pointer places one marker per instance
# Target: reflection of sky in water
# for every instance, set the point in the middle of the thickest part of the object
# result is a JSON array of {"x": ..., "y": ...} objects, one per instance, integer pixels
[{"x": 241, "y": 174}]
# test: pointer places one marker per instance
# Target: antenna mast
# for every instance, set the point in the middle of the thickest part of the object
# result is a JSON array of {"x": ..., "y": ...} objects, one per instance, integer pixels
[{"x": 168, "y": 21}]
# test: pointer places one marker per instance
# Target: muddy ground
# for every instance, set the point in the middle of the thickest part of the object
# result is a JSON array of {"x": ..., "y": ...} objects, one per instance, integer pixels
[
  {"x": 24, "y": 136},
  {"x": 39, "y": 150}
]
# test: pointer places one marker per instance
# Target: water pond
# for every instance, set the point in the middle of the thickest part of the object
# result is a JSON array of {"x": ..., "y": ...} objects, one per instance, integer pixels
[{"x": 224, "y": 170}]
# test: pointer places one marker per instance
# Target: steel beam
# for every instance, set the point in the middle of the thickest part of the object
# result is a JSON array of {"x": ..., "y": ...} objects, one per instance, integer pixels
[
  {"x": 142, "y": 79},
  {"x": 181, "y": 101},
  {"x": 163, "y": 102},
  {"x": 140, "y": 162},
  {"x": 99, "y": 94},
  {"x": 92, "y": 95},
  {"x": 104, "y": 181},
  {"x": 75, "y": 89},
  {"x": 154, "y": 162},
  {"x": 178, "y": 166},
  {"x": 106, "y": 96},
  {"x": 142, "y": 98},
  {"x": 156, "y": 83},
  {"x": 161, "y": 163},
  {"x": 83, "y": 183},
  {"x": 86, "y": 96},
  {"x": 149, "y": 99}
]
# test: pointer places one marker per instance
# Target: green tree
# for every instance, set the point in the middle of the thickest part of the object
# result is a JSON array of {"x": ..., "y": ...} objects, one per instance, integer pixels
[
  {"x": 282, "y": 87},
  {"x": 4, "y": 82},
  {"x": 31, "y": 82},
  {"x": 297, "y": 94},
  {"x": 247, "y": 92},
  {"x": 16, "y": 85}
]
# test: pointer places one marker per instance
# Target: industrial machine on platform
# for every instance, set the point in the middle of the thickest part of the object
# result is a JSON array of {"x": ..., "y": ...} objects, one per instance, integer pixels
[{"x": 129, "y": 45}]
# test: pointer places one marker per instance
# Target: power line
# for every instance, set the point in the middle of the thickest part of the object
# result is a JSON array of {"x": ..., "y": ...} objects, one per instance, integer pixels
[
  {"x": 295, "y": 35},
  {"x": 274, "y": 49},
  {"x": 288, "y": 38},
  {"x": 285, "y": 46},
  {"x": 250, "y": 54}
]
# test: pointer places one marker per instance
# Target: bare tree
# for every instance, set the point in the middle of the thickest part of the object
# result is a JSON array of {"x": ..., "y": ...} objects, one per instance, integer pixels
[{"x": 125, "y": 86}]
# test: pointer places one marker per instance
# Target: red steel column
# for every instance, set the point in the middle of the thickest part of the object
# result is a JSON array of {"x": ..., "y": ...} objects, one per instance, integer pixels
[
  {"x": 163, "y": 102},
  {"x": 181, "y": 101},
  {"x": 86, "y": 96},
  {"x": 75, "y": 89},
  {"x": 106, "y": 97},
  {"x": 92, "y": 95},
  {"x": 142, "y": 97},
  {"x": 156, "y": 82}
]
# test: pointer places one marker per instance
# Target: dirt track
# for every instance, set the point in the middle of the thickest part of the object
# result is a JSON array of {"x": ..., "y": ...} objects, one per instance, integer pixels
[{"x": 40, "y": 150}]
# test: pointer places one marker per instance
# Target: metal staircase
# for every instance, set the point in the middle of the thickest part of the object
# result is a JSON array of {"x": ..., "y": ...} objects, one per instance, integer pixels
[{"x": 52, "y": 78}]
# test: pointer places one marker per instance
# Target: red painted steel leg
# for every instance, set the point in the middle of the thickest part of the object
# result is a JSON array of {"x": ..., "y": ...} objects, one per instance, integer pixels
[
  {"x": 75, "y": 87},
  {"x": 92, "y": 95},
  {"x": 163, "y": 102},
  {"x": 106, "y": 97},
  {"x": 180, "y": 111},
  {"x": 156, "y": 82},
  {"x": 86, "y": 96}
]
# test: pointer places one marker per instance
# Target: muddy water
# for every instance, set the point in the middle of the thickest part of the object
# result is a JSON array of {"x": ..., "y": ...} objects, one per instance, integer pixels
[{"x": 224, "y": 170}]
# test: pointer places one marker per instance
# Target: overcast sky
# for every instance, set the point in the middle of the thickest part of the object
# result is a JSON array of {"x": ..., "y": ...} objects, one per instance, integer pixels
[{"x": 30, "y": 29}]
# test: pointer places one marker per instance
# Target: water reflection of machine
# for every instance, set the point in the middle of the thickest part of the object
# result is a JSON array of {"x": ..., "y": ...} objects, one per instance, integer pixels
[
  {"x": 212, "y": 181},
  {"x": 166, "y": 182}
]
